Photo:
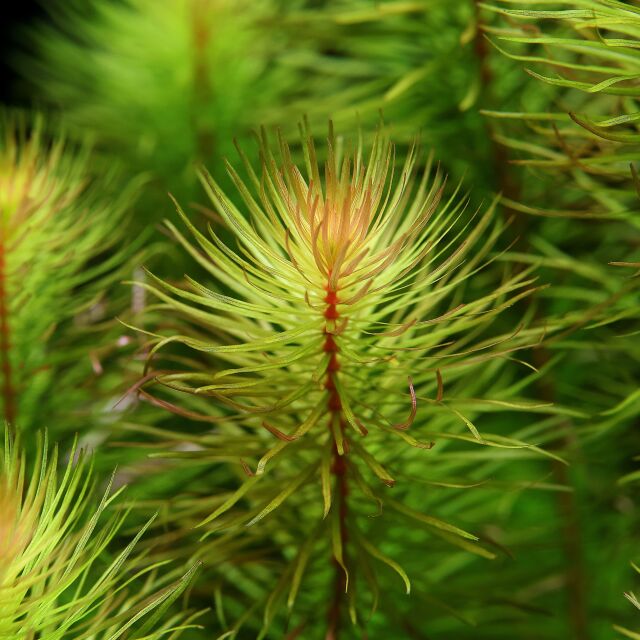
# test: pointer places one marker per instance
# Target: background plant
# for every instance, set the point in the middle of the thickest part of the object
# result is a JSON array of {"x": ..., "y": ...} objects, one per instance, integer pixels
[
  {"x": 62, "y": 249},
  {"x": 168, "y": 85},
  {"x": 583, "y": 195},
  {"x": 52, "y": 547}
]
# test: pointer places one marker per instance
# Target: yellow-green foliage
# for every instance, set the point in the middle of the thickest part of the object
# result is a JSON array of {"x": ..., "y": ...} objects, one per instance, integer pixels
[
  {"x": 62, "y": 248},
  {"x": 54, "y": 580}
]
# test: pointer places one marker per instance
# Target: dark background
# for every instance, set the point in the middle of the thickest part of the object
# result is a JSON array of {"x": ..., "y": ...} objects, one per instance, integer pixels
[{"x": 15, "y": 16}]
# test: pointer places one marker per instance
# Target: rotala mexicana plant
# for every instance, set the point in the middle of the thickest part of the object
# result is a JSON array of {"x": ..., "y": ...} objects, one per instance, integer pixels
[
  {"x": 61, "y": 251},
  {"x": 351, "y": 318},
  {"x": 51, "y": 582}
]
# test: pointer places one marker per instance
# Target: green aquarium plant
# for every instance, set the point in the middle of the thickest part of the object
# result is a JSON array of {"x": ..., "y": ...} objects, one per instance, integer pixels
[
  {"x": 633, "y": 599},
  {"x": 362, "y": 409},
  {"x": 577, "y": 158},
  {"x": 59, "y": 577},
  {"x": 346, "y": 339},
  {"x": 426, "y": 66},
  {"x": 584, "y": 58},
  {"x": 62, "y": 249},
  {"x": 583, "y": 151}
]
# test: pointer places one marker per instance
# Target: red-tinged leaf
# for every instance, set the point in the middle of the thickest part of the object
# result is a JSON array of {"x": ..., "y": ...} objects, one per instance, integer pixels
[{"x": 403, "y": 426}]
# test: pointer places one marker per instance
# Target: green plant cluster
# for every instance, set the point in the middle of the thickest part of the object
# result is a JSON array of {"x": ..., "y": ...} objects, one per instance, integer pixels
[{"x": 319, "y": 320}]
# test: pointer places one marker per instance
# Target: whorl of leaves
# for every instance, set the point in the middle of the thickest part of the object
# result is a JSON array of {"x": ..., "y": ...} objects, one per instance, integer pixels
[
  {"x": 54, "y": 581},
  {"x": 62, "y": 248},
  {"x": 348, "y": 325}
]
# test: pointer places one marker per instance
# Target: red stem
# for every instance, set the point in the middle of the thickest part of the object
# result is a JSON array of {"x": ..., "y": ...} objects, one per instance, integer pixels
[{"x": 339, "y": 467}]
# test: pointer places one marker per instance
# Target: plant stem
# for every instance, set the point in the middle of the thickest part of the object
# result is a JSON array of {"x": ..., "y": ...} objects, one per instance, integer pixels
[
  {"x": 339, "y": 467},
  {"x": 202, "y": 36},
  {"x": 342, "y": 491},
  {"x": 504, "y": 182},
  {"x": 568, "y": 509}
]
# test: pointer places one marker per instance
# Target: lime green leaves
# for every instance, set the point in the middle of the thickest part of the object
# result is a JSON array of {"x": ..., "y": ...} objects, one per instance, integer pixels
[
  {"x": 62, "y": 250},
  {"x": 340, "y": 320},
  {"x": 53, "y": 578}
]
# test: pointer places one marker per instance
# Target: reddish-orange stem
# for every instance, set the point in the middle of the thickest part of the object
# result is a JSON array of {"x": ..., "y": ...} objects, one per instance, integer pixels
[
  {"x": 8, "y": 394},
  {"x": 339, "y": 467}
]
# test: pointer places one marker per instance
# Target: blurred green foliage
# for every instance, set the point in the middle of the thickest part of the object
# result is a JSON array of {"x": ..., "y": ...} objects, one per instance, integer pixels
[{"x": 522, "y": 520}]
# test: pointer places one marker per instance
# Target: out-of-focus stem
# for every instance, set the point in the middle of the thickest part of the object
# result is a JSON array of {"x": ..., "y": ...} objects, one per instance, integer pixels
[
  {"x": 202, "y": 34},
  {"x": 505, "y": 183}
]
